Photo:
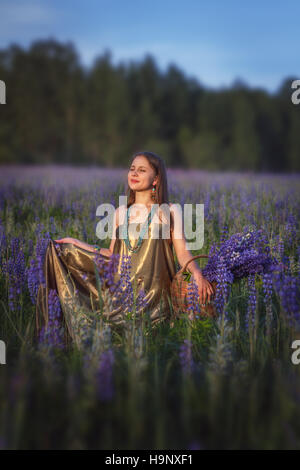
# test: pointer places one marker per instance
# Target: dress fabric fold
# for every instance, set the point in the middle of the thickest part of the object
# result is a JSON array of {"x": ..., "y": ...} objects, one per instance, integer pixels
[{"x": 70, "y": 270}]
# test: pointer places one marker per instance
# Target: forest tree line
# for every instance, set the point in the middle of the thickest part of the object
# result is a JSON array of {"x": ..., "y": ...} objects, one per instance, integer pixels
[{"x": 58, "y": 111}]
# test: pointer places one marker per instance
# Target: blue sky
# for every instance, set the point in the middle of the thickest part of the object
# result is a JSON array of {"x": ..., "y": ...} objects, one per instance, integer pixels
[{"x": 215, "y": 41}]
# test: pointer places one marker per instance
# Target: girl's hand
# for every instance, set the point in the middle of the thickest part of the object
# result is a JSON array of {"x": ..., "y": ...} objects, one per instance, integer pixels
[
  {"x": 80, "y": 244},
  {"x": 205, "y": 289},
  {"x": 67, "y": 240}
]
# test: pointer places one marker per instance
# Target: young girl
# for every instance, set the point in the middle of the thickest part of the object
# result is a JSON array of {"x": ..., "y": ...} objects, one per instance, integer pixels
[{"x": 69, "y": 265}]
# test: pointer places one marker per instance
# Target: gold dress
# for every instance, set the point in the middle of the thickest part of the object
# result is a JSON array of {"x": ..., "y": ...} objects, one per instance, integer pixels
[{"x": 70, "y": 270}]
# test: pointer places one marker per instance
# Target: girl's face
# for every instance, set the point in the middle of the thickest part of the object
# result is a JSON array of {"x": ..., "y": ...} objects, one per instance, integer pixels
[{"x": 141, "y": 175}]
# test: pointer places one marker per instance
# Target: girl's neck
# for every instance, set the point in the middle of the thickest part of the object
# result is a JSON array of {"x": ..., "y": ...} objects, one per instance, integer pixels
[{"x": 143, "y": 199}]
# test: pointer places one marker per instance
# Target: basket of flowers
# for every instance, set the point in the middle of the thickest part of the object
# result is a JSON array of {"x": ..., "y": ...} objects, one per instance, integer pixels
[
  {"x": 242, "y": 255},
  {"x": 184, "y": 293}
]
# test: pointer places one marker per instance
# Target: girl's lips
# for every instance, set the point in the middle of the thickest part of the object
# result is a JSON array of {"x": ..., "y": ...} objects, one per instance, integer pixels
[{"x": 134, "y": 181}]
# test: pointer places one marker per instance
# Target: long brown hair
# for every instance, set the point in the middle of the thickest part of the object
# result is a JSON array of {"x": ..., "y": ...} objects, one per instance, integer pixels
[{"x": 162, "y": 193}]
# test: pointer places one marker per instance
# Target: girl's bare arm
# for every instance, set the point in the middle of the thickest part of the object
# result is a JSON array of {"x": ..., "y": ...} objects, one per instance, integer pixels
[
  {"x": 184, "y": 255},
  {"x": 78, "y": 243},
  {"x": 91, "y": 248}
]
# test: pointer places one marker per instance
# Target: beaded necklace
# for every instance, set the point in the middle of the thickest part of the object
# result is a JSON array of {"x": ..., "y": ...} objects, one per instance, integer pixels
[{"x": 142, "y": 232}]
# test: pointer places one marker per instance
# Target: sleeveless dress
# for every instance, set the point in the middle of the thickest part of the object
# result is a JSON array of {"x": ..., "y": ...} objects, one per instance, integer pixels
[{"x": 70, "y": 270}]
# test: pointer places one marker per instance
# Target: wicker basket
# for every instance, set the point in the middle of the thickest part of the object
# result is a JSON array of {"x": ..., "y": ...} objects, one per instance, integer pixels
[{"x": 179, "y": 292}]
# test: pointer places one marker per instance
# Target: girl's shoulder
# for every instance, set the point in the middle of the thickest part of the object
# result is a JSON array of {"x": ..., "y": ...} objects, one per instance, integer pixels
[
  {"x": 175, "y": 208},
  {"x": 175, "y": 215},
  {"x": 167, "y": 212}
]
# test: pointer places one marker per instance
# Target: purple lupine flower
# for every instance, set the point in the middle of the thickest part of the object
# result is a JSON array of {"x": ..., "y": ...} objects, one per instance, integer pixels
[
  {"x": 107, "y": 271},
  {"x": 286, "y": 262},
  {"x": 193, "y": 299},
  {"x": 251, "y": 308},
  {"x": 186, "y": 357},
  {"x": 213, "y": 251},
  {"x": 239, "y": 256},
  {"x": 84, "y": 233},
  {"x": 126, "y": 284},
  {"x": 52, "y": 226},
  {"x": 41, "y": 249},
  {"x": 35, "y": 271},
  {"x": 290, "y": 229},
  {"x": 267, "y": 282},
  {"x": 222, "y": 209},
  {"x": 3, "y": 242},
  {"x": 288, "y": 289},
  {"x": 141, "y": 302},
  {"x": 30, "y": 247},
  {"x": 105, "y": 384},
  {"x": 207, "y": 205},
  {"x": 267, "y": 287},
  {"x": 223, "y": 278},
  {"x": 32, "y": 280},
  {"x": 224, "y": 233},
  {"x": 39, "y": 229},
  {"x": 66, "y": 222},
  {"x": 15, "y": 268},
  {"x": 112, "y": 268},
  {"x": 280, "y": 248},
  {"x": 52, "y": 334},
  {"x": 121, "y": 288}
]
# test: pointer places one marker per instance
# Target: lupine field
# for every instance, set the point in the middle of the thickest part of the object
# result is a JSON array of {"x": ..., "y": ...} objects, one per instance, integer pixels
[{"x": 222, "y": 383}]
